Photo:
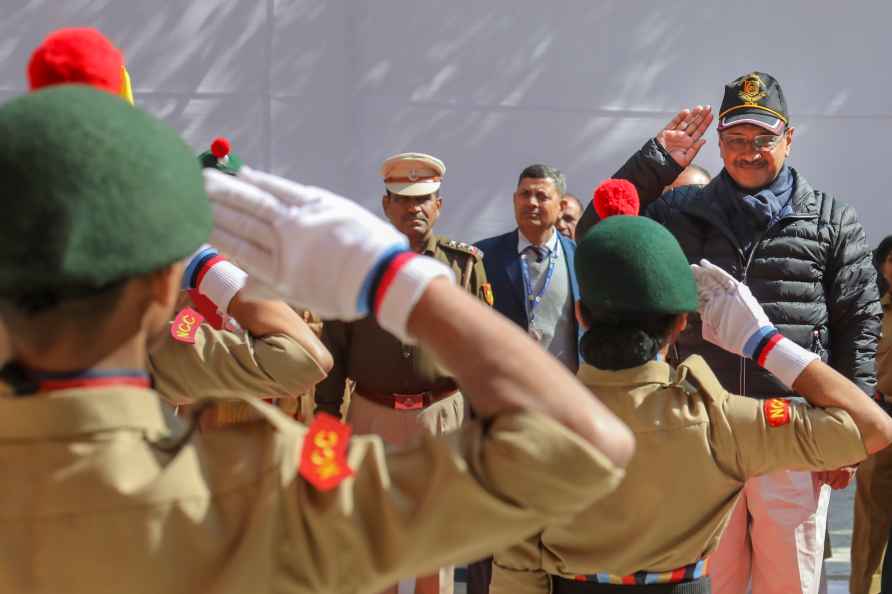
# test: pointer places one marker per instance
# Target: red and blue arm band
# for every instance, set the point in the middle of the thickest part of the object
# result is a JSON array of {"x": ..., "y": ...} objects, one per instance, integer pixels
[
  {"x": 395, "y": 285},
  {"x": 369, "y": 289},
  {"x": 785, "y": 359},
  {"x": 196, "y": 262},
  {"x": 761, "y": 343},
  {"x": 214, "y": 276}
]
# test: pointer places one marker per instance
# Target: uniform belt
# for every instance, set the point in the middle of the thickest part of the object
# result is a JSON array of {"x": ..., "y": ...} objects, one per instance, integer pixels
[
  {"x": 562, "y": 585},
  {"x": 688, "y": 573},
  {"x": 407, "y": 401}
]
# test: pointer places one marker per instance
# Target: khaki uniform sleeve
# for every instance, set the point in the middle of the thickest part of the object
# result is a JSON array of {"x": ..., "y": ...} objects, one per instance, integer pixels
[
  {"x": 221, "y": 364},
  {"x": 518, "y": 570},
  {"x": 809, "y": 439},
  {"x": 442, "y": 501}
]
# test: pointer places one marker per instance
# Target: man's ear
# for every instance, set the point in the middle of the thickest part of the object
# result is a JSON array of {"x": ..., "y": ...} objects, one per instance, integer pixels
[
  {"x": 789, "y": 133},
  {"x": 385, "y": 202},
  {"x": 164, "y": 284}
]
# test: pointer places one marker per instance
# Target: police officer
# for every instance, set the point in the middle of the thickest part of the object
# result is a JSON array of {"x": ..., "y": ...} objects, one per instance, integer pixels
[
  {"x": 106, "y": 492},
  {"x": 399, "y": 389},
  {"x": 696, "y": 443}
]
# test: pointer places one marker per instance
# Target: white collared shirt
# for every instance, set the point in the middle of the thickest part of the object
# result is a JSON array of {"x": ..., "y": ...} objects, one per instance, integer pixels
[{"x": 523, "y": 243}]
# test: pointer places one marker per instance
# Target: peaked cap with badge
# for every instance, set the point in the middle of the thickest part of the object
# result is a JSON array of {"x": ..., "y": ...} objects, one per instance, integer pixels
[
  {"x": 412, "y": 174},
  {"x": 755, "y": 98}
]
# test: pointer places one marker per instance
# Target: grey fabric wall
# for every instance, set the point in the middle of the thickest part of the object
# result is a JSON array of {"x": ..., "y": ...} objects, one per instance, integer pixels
[{"x": 323, "y": 90}]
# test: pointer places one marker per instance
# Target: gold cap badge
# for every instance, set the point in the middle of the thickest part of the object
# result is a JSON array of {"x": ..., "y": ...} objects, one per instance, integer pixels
[{"x": 752, "y": 89}]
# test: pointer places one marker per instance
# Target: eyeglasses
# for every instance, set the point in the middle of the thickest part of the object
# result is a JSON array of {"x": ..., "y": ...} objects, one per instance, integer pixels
[{"x": 763, "y": 143}]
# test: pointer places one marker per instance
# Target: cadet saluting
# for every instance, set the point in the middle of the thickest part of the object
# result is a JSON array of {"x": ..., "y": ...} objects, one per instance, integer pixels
[
  {"x": 689, "y": 430},
  {"x": 106, "y": 492}
]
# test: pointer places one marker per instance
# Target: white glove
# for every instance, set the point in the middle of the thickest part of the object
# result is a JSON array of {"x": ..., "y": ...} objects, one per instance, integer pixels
[
  {"x": 317, "y": 249},
  {"x": 733, "y": 319}
]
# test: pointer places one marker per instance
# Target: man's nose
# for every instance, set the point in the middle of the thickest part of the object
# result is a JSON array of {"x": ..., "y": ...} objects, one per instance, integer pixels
[{"x": 752, "y": 153}]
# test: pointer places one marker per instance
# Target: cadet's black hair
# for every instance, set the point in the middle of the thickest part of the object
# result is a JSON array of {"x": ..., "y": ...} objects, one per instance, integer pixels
[
  {"x": 85, "y": 299},
  {"x": 37, "y": 316},
  {"x": 879, "y": 256},
  {"x": 622, "y": 341}
]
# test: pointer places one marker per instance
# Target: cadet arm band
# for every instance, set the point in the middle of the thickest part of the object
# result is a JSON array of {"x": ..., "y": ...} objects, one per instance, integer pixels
[
  {"x": 396, "y": 284},
  {"x": 214, "y": 276},
  {"x": 782, "y": 357}
]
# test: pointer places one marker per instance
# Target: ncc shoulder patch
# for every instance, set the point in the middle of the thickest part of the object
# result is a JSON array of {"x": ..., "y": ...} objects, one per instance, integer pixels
[
  {"x": 777, "y": 411},
  {"x": 323, "y": 460},
  {"x": 185, "y": 325},
  {"x": 487, "y": 293}
]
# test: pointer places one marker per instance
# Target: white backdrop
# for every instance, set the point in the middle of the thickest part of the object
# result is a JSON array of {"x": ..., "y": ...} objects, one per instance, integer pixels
[{"x": 323, "y": 90}]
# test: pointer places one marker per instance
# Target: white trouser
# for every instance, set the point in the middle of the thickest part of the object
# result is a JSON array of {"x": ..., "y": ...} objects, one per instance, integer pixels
[{"x": 775, "y": 538}]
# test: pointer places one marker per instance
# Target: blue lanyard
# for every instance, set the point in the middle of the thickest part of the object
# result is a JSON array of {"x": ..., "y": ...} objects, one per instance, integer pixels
[{"x": 533, "y": 300}]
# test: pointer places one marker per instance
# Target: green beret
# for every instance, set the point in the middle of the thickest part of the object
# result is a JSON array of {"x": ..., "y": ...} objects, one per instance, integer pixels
[
  {"x": 220, "y": 157},
  {"x": 97, "y": 191},
  {"x": 634, "y": 265}
]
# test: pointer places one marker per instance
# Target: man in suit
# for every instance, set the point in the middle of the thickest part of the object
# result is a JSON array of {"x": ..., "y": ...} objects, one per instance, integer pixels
[
  {"x": 534, "y": 284},
  {"x": 531, "y": 268}
]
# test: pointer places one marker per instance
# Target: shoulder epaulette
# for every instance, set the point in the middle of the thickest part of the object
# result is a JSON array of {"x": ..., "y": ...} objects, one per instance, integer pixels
[
  {"x": 462, "y": 247},
  {"x": 695, "y": 372}
]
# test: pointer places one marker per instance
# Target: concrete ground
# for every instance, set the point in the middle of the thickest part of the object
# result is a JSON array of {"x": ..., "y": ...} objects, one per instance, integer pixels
[{"x": 840, "y": 536}]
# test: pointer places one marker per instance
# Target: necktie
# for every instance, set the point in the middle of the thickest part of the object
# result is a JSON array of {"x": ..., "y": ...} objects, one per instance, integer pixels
[{"x": 540, "y": 251}]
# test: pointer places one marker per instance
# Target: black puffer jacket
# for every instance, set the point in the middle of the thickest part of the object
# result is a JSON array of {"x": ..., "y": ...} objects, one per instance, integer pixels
[{"x": 811, "y": 271}]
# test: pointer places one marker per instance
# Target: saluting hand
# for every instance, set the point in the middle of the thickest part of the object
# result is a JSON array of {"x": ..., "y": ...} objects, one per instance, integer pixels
[
  {"x": 682, "y": 137},
  {"x": 317, "y": 249}
]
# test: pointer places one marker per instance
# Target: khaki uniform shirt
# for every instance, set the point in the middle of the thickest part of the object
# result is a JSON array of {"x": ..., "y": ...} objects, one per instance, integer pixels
[
  {"x": 884, "y": 350},
  {"x": 376, "y": 360},
  {"x": 105, "y": 492},
  {"x": 226, "y": 365},
  {"x": 695, "y": 446}
]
